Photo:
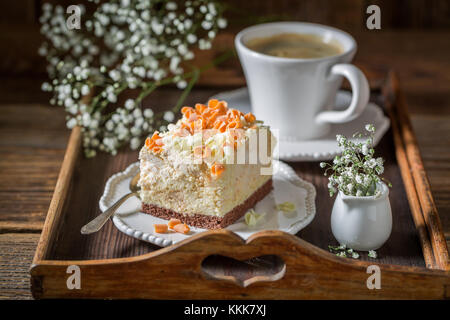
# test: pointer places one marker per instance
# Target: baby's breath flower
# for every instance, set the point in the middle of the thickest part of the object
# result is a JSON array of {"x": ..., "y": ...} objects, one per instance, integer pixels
[
  {"x": 46, "y": 86},
  {"x": 370, "y": 128},
  {"x": 143, "y": 42},
  {"x": 129, "y": 104},
  {"x": 171, "y": 6},
  {"x": 365, "y": 150},
  {"x": 169, "y": 116},
  {"x": 204, "y": 44},
  {"x": 135, "y": 143},
  {"x": 181, "y": 84},
  {"x": 350, "y": 188},
  {"x": 191, "y": 38},
  {"x": 71, "y": 123},
  {"x": 355, "y": 172},
  {"x": 85, "y": 90},
  {"x": 89, "y": 153},
  {"x": 148, "y": 113},
  {"x": 355, "y": 255},
  {"x": 222, "y": 23},
  {"x": 342, "y": 251},
  {"x": 189, "y": 11}
]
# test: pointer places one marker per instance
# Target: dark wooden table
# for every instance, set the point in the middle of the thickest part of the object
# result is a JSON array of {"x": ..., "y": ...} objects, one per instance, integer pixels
[{"x": 33, "y": 139}]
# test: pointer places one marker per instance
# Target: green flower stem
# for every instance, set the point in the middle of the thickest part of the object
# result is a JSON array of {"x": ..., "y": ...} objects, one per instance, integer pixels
[
  {"x": 95, "y": 105},
  {"x": 186, "y": 91},
  {"x": 150, "y": 88}
]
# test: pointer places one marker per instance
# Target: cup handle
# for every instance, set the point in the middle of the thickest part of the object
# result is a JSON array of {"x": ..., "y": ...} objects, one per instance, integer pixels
[{"x": 360, "y": 97}]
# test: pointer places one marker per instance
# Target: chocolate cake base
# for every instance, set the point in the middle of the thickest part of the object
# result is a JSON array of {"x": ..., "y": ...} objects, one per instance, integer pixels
[{"x": 211, "y": 222}]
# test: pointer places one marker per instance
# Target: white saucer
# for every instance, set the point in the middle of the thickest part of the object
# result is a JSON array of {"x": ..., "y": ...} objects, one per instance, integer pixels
[
  {"x": 287, "y": 187},
  {"x": 324, "y": 148}
]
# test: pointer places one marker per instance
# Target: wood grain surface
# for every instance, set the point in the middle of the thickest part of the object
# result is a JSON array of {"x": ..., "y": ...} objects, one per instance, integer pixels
[
  {"x": 33, "y": 138},
  {"x": 308, "y": 273}
]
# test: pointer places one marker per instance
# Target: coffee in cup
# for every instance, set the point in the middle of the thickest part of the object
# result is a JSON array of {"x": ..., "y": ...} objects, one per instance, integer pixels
[{"x": 294, "y": 45}]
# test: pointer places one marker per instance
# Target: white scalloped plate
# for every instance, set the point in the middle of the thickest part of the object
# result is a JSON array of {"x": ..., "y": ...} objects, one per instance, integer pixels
[
  {"x": 287, "y": 187},
  {"x": 324, "y": 148}
]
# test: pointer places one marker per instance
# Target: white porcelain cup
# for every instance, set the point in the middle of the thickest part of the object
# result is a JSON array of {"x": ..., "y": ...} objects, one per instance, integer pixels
[{"x": 296, "y": 96}]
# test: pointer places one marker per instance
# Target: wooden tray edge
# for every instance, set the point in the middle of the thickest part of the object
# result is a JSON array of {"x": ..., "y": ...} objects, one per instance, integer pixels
[
  {"x": 423, "y": 208},
  {"x": 309, "y": 272},
  {"x": 60, "y": 193},
  {"x": 42, "y": 270}
]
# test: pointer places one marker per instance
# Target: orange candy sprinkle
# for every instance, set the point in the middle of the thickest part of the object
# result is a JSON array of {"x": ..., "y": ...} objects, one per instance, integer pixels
[
  {"x": 249, "y": 117},
  {"x": 173, "y": 222},
  {"x": 192, "y": 127},
  {"x": 214, "y": 115},
  {"x": 200, "y": 108},
  {"x": 212, "y": 103},
  {"x": 155, "y": 136},
  {"x": 217, "y": 169},
  {"x": 160, "y": 228},
  {"x": 182, "y": 228},
  {"x": 220, "y": 108},
  {"x": 234, "y": 114},
  {"x": 186, "y": 109},
  {"x": 235, "y": 124},
  {"x": 154, "y": 143},
  {"x": 221, "y": 126}
]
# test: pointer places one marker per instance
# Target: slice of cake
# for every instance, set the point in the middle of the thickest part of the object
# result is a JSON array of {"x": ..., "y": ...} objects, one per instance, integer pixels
[{"x": 209, "y": 168}]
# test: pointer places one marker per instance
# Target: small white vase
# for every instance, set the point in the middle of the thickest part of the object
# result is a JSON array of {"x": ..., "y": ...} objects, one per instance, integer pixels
[{"x": 362, "y": 223}]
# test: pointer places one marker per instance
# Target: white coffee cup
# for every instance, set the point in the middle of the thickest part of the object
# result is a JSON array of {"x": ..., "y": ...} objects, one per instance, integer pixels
[{"x": 296, "y": 96}]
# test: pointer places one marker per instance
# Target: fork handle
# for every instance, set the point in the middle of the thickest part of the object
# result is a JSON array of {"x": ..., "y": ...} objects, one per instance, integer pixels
[{"x": 101, "y": 219}]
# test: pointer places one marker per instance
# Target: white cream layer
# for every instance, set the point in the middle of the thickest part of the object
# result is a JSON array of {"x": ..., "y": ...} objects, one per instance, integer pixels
[{"x": 190, "y": 188}]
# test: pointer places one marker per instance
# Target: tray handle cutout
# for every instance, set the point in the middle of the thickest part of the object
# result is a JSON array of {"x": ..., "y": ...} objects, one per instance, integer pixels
[{"x": 263, "y": 268}]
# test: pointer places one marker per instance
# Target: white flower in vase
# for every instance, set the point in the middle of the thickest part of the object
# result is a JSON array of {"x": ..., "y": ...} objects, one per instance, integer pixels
[{"x": 361, "y": 218}]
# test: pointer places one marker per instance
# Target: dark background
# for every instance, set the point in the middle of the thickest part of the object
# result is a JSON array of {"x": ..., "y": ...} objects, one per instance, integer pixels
[{"x": 20, "y": 37}]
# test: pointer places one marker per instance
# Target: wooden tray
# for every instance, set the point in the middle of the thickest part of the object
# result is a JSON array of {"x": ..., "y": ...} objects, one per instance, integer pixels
[{"x": 414, "y": 263}]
